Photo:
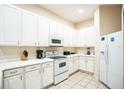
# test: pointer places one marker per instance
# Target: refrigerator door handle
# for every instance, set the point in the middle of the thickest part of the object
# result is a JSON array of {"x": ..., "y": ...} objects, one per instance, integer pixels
[
  {"x": 107, "y": 54},
  {"x": 106, "y": 59}
]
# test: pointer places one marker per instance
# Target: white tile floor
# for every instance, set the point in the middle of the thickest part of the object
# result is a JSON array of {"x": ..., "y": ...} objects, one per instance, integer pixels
[{"x": 80, "y": 80}]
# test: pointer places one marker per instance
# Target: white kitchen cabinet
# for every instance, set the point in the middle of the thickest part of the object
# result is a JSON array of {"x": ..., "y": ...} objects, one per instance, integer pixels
[
  {"x": 82, "y": 63},
  {"x": 14, "y": 82},
  {"x": 70, "y": 64},
  {"x": 86, "y": 64},
  {"x": 10, "y": 25},
  {"x": 43, "y": 31},
  {"x": 86, "y": 37},
  {"x": 90, "y": 66},
  {"x": 69, "y": 36},
  {"x": 33, "y": 77},
  {"x": 81, "y": 38},
  {"x": 53, "y": 28},
  {"x": 47, "y": 74},
  {"x": 76, "y": 64},
  {"x": 13, "y": 79},
  {"x": 73, "y": 64},
  {"x": 56, "y": 29},
  {"x": 29, "y": 28}
]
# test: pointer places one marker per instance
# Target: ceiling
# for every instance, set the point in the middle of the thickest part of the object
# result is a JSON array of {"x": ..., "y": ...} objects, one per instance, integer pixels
[{"x": 70, "y": 11}]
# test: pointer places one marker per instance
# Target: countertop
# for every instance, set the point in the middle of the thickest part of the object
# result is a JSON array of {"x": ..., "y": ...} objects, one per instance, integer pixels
[
  {"x": 15, "y": 64},
  {"x": 77, "y": 55}
]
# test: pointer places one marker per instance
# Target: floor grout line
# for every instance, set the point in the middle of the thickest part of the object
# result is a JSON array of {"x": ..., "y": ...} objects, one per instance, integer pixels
[{"x": 73, "y": 78}]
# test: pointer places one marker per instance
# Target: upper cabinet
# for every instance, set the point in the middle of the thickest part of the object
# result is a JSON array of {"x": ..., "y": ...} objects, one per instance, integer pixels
[
  {"x": 69, "y": 36},
  {"x": 56, "y": 29},
  {"x": 29, "y": 29},
  {"x": 43, "y": 31},
  {"x": 10, "y": 25},
  {"x": 86, "y": 37}
]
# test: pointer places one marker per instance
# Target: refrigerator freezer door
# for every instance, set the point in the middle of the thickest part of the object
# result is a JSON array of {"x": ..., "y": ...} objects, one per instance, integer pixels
[
  {"x": 103, "y": 60},
  {"x": 115, "y": 63}
]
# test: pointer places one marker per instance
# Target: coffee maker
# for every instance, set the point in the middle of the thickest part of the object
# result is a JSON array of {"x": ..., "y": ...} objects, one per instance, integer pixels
[{"x": 39, "y": 54}]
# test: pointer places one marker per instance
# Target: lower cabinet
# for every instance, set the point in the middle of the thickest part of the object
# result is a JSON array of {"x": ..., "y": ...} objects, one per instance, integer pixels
[
  {"x": 73, "y": 64},
  {"x": 29, "y": 77},
  {"x": 87, "y": 64},
  {"x": 70, "y": 64},
  {"x": 33, "y": 77},
  {"x": 13, "y": 79},
  {"x": 47, "y": 74},
  {"x": 13, "y": 82},
  {"x": 76, "y": 63}
]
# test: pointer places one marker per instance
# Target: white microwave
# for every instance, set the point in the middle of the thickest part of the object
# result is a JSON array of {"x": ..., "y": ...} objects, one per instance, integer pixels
[{"x": 56, "y": 41}]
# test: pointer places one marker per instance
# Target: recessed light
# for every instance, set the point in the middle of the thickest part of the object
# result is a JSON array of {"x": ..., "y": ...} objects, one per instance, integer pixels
[{"x": 80, "y": 11}]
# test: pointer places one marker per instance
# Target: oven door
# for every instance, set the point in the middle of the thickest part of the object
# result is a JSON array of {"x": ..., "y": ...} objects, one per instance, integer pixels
[{"x": 60, "y": 66}]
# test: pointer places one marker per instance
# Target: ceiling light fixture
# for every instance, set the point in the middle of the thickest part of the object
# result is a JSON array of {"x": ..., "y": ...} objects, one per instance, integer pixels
[{"x": 80, "y": 11}]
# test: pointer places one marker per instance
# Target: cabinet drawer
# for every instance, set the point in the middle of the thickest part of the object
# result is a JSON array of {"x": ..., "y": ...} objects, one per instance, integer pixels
[
  {"x": 33, "y": 67},
  {"x": 90, "y": 58},
  {"x": 13, "y": 72},
  {"x": 48, "y": 64}
]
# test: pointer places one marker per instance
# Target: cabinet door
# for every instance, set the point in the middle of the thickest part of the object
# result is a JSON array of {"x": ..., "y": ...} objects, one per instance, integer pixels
[
  {"x": 81, "y": 37},
  {"x": 33, "y": 79},
  {"x": 52, "y": 28},
  {"x": 82, "y": 63},
  {"x": 59, "y": 29},
  {"x": 90, "y": 34},
  {"x": 43, "y": 32},
  {"x": 29, "y": 29},
  {"x": 70, "y": 64},
  {"x": 10, "y": 25},
  {"x": 90, "y": 65},
  {"x": 76, "y": 65},
  {"x": 47, "y": 76},
  {"x": 14, "y": 82}
]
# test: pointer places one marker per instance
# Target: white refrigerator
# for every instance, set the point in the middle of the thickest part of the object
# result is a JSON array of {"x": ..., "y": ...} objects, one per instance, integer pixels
[{"x": 111, "y": 60}]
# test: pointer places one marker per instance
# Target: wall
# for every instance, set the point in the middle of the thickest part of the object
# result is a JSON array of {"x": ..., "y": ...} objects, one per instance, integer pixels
[
  {"x": 12, "y": 53},
  {"x": 110, "y": 19},
  {"x": 86, "y": 23},
  {"x": 43, "y": 12}
]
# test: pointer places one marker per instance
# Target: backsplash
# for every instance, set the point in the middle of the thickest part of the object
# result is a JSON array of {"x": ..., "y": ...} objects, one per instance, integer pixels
[{"x": 11, "y": 53}]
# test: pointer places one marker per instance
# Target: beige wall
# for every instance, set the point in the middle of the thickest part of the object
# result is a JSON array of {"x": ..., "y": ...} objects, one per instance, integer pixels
[
  {"x": 43, "y": 12},
  {"x": 13, "y": 53},
  {"x": 110, "y": 19},
  {"x": 86, "y": 23}
]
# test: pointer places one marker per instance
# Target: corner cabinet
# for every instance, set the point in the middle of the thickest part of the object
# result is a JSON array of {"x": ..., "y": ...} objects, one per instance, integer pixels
[
  {"x": 10, "y": 25},
  {"x": 86, "y": 63},
  {"x": 29, "y": 29}
]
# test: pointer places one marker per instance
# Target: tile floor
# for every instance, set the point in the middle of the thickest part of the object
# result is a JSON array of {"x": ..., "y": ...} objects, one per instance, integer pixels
[{"x": 80, "y": 80}]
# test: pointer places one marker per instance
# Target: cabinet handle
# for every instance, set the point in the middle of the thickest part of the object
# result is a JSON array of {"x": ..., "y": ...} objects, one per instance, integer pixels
[
  {"x": 43, "y": 70},
  {"x": 21, "y": 77}
]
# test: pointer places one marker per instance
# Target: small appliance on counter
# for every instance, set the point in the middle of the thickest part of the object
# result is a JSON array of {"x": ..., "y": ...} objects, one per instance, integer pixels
[
  {"x": 24, "y": 55},
  {"x": 66, "y": 53},
  {"x": 39, "y": 54},
  {"x": 72, "y": 53},
  {"x": 88, "y": 51}
]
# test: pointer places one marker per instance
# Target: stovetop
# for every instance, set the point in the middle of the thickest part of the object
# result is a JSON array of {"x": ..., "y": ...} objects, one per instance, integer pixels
[{"x": 57, "y": 57}]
